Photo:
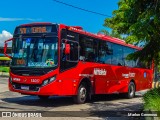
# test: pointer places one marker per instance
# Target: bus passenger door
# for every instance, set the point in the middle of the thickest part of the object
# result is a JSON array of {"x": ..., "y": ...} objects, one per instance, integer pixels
[{"x": 68, "y": 60}]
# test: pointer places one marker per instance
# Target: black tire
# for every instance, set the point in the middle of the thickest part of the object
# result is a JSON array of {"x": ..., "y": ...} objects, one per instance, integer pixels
[
  {"x": 42, "y": 97},
  {"x": 81, "y": 96},
  {"x": 131, "y": 90}
]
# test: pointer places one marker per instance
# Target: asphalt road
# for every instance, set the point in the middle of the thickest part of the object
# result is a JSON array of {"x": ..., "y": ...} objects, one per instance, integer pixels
[{"x": 11, "y": 101}]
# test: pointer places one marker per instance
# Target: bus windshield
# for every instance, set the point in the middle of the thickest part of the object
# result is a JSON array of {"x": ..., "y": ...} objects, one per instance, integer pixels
[{"x": 35, "y": 52}]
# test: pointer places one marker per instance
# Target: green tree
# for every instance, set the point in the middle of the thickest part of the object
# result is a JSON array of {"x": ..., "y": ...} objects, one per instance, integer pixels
[
  {"x": 112, "y": 33},
  {"x": 139, "y": 20}
]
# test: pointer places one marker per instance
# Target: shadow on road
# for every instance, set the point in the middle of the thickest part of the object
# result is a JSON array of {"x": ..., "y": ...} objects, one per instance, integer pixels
[
  {"x": 113, "y": 110},
  {"x": 111, "y": 97},
  {"x": 100, "y": 106},
  {"x": 55, "y": 101},
  {"x": 35, "y": 101}
]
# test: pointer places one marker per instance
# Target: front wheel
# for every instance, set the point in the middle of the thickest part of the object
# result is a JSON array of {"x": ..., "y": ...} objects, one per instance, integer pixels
[
  {"x": 81, "y": 96},
  {"x": 131, "y": 90}
]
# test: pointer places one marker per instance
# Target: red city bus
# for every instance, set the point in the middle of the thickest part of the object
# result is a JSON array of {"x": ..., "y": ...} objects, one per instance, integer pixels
[{"x": 58, "y": 60}]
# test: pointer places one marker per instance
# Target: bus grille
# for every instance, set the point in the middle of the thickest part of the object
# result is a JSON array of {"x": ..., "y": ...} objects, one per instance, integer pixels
[
  {"x": 31, "y": 87},
  {"x": 32, "y": 73}
]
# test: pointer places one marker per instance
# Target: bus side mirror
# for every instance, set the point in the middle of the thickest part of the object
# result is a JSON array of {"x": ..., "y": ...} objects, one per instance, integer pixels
[
  {"x": 5, "y": 47},
  {"x": 67, "y": 48}
]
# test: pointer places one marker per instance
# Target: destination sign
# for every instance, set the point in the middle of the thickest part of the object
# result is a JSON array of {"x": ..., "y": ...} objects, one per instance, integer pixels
[{"x": 34, "y": 29}]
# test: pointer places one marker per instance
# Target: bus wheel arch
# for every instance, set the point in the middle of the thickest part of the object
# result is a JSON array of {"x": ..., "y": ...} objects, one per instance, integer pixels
[
  {"x": 86, "y": 87},
  {"x": 132, "y": 80}
]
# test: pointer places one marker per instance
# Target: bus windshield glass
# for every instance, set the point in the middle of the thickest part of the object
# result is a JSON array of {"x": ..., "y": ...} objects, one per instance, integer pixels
[{"x": 35, "y": 52}]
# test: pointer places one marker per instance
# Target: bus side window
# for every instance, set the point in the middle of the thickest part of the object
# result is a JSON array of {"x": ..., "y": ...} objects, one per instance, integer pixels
[
  {"x": 117, "y": 58},
  {"x": 74, "y": 51},
  {"x": 105, "y": 52},
  {"x": 82, "y": 49},
  {"x": 88, "y": 49},
  {"x": 73, "y": 56},
  {"x": 69, "y": 60},
  {"x": 142, "y": 64},
  {"x": 126, "y": 52}
]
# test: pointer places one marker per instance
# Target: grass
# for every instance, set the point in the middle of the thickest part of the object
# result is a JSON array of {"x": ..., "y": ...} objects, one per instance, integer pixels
[
  {"x": 4, "y": 69},
  {"x": 152, "y": 100}
]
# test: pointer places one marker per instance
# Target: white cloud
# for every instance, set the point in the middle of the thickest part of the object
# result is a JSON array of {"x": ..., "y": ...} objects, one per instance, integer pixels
[
  {"x": 4, "y": 36},
  {"x": 18, "y": 19}
]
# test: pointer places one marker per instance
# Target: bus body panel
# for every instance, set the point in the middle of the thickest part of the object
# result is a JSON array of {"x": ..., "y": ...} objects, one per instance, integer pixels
[{"x": 115, "y": 80}]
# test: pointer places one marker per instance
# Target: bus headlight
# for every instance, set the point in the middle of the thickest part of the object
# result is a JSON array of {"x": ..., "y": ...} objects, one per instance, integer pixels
[
  {"x": 52, "y": 79},
  {"x": 45, "y": 82}
]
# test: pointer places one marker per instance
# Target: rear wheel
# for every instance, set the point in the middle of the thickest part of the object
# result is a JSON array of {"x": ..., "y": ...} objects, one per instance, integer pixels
[
  {"x": 43, "y": 97},
  {"x": 81, "y": 96},
  {"x": 131, "y": 90}
]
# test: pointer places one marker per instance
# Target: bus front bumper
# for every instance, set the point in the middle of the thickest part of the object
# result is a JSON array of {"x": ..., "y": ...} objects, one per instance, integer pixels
[{"x": 49, "y": 89}]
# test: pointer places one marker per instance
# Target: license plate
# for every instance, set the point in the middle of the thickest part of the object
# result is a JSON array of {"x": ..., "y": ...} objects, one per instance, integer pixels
[{"x": 25, "y": 87}]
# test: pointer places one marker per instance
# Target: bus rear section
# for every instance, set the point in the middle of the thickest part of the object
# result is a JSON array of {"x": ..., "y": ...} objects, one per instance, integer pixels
[{"x": 58, "y": 60}]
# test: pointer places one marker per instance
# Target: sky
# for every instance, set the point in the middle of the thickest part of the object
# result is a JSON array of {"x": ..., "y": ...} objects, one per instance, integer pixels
[{"x": 17, "y": 12}]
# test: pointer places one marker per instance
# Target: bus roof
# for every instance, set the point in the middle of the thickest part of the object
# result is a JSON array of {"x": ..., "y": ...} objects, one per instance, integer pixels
[
  {"x": 103, "y": 37},
  {"x": 36, "y": 23},
  {"x": 80, "y": 30}
]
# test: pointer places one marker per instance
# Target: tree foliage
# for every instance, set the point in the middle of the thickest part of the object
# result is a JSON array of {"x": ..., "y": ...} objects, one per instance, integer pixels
[
  {"x": 112, "y": 33},
  {"x": 140, "y": 21}
]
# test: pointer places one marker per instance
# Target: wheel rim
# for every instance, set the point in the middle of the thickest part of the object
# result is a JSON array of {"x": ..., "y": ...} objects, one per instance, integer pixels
[
  {"x": 83, "y": 92},
  {"x": 131, "y": 90}
]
